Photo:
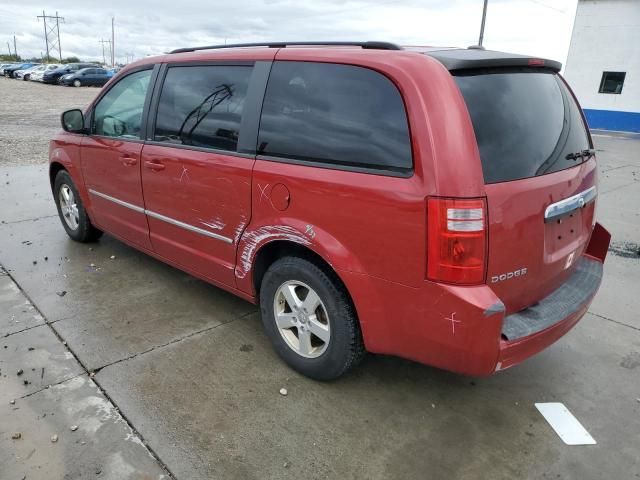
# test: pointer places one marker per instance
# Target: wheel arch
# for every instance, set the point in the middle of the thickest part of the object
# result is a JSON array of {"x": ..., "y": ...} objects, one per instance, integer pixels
[
  {"x": 274, "y": 250},
  {"x": 54, "y": 168}
]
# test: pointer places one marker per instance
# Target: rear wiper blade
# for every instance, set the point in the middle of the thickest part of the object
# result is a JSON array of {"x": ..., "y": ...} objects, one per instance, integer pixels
[{"x": 588, "y": 153}]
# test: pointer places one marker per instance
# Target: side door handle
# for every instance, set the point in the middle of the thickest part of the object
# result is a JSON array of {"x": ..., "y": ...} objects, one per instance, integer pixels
[
  {"x": 128, "y": 161},
  {"x": 154, "y": 165}
]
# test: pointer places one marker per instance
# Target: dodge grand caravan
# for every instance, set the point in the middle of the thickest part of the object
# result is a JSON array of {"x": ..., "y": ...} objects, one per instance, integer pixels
[{"x": 434, "y": 204}]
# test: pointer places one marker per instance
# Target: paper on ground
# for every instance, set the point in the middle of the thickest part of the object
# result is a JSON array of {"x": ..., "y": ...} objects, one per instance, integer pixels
[{"x": 565, "y": 424}]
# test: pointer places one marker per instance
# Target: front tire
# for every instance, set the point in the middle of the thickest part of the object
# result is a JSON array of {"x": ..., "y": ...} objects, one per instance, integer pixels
[
  {"x": 309, "y": 319},
  {"x": 71, "y": 211},
  {"x": 77, "y": 83}
]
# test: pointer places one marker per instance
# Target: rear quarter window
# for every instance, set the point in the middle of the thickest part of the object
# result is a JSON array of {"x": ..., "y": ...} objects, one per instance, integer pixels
[
  {"x": 334, "y": 115},
  {"x": 526, "y": 122}
]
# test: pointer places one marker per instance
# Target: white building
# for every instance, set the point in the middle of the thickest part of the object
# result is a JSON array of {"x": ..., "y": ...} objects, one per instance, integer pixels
[{"x": 603, "y": 66}]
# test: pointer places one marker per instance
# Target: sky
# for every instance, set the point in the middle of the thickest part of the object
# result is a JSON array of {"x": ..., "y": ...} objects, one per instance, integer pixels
[{"x": 539, "y": 28}]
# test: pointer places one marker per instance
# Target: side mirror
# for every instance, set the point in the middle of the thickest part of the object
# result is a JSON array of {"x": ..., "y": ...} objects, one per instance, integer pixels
[{"x": 73, "y": 121}]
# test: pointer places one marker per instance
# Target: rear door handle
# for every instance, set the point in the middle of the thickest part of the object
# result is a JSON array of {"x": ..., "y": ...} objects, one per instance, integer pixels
[
  {"x": 156, "y": 166},
  {"x": 128, "y": 161}
]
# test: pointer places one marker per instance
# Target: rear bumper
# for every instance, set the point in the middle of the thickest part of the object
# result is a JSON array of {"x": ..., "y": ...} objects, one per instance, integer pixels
[
  {"x": 465, "y": 329},
  {"x": 533, "y": 329}
]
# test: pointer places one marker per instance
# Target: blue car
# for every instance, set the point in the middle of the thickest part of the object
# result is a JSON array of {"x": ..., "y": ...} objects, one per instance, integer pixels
[
  {"x": 52, "y": 76},
  {"x": 86, "y": 77},
  {"x": 10, "y": 71}
]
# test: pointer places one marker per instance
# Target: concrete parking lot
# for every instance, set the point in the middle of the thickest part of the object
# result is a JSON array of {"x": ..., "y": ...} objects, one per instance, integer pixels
[{"x": 165, "y": 375}]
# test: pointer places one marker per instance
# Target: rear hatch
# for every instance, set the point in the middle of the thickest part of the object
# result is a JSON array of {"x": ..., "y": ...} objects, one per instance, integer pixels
[{"x": 540, "y": 177}]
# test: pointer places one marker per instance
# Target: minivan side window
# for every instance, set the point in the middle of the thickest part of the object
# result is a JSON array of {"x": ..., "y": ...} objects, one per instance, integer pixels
[
  {"x": 340, "y": 115},
  {"x": 201, "y": 106},
  {"x": 119, "y": 112}
]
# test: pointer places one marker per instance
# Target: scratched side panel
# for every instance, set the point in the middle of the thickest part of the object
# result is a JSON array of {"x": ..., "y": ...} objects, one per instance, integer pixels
[
  {"x": 206, "y": 190},
  {"x": 356, "y": 221}
]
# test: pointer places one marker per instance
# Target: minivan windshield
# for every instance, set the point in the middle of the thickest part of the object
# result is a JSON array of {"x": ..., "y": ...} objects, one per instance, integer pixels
[{"x": 525, "y": 120}]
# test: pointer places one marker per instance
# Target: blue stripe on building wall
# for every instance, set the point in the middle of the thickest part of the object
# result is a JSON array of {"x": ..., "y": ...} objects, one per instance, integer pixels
[{"x": 611, "y": 120}]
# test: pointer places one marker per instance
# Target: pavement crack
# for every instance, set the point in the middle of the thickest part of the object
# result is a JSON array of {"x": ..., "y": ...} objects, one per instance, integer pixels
[
  {"x": 46, "y": 387},
  {"x": 616, "y": 168},
  {"x": 24, "y": 330},
  {"x": 171, "y": 342},
  {"x": 615, "y": 321},
  {"x": 13, "y": 222},
  {"x": 619, "y": 188}
]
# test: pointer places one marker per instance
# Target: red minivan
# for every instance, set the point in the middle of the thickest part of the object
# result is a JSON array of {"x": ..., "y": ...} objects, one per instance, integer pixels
[{"x": 434, "y": 204}]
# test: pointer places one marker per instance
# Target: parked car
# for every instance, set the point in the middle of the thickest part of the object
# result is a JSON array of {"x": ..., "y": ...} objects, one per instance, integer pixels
[
  {"x": 5, "y": 65},
  {"x": 86, "y": 77},
  {"x": 26, "y": 73},
  {"x": 438, "y": 205},
  {"x": 10, "y": 71},
  {"x": 52, "y": 76},
  {"x": 36, "y": 76}
]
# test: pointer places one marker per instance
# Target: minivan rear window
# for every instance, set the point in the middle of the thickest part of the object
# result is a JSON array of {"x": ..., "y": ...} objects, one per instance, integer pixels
[{"x": 526, "y": 122}]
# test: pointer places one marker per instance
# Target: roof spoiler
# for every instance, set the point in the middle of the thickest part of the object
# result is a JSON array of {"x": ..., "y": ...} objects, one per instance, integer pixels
[{"x": 472, "y": 58}]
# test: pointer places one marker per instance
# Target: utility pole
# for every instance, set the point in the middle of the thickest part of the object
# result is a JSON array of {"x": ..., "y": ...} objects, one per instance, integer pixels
[
  {"x": 113, "y": 42},
  {"x": 52, "y": 34},
  {"x": 46, "y": 37},
  {"x": 58, "y": 32},
  {"x": 9, "y": 47},
  {"x": 484, "y": 16},
  {"x": 104, "y": 58},
  {"x": 15, "y": 49}
]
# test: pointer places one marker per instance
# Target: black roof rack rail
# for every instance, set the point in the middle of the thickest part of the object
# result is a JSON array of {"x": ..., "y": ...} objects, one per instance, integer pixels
[{"x": 365, "y": 45}]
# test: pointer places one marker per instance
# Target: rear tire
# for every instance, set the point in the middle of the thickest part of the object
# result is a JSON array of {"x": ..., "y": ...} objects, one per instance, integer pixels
[
  {"x": 320, "y": 337},
  {"x": 73, "y": 215}
]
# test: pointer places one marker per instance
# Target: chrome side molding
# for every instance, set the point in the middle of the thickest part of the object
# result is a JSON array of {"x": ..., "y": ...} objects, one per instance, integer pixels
[
  {"x": 122, "y": 203},
  {"x": 158, "y": 216},
  {"x": 568, "y": 205}
]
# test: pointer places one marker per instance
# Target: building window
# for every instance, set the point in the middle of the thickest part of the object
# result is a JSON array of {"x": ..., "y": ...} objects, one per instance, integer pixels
[{"x": 612, "y": 82}]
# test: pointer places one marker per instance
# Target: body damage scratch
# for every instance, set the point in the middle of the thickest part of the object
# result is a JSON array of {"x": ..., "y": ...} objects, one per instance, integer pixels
[
  {"x": 255, "y": 238},
  {"x": 453, "y": 321},
  {"x": 309, "y": 231},
  {"x": 215, "y": 224},
  {"x": 239, "y": 229},
  {"x": 263, "y": 192},
  {"x": 184, "y": 174}
]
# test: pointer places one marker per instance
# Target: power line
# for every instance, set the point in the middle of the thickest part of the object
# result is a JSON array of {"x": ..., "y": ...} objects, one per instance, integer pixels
[
  {"x": 113, "y": 42},
  {"x": 52, "y": 34},
  {"x": 102, "y": 41}
]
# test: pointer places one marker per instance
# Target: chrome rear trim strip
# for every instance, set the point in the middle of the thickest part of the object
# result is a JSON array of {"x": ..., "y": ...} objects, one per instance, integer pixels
[
  {"x": 135, "y": 208},
  {"x": 568, "y": 205},
  {"x": 187, "y": 226},
  {"x": 158, "y": 216}
]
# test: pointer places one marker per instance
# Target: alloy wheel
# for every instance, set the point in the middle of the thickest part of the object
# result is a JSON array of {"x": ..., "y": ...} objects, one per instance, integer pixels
[
  {"x": 69, "y": 207},
  {"x": 302, "y": 319}
]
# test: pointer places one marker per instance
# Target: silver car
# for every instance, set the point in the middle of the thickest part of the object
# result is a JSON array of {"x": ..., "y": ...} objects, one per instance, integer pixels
[{"x": 36, "y": 76}]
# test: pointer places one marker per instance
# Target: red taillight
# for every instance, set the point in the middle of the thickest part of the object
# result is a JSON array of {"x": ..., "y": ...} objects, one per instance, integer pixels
[{"x": 456, "y": 240}]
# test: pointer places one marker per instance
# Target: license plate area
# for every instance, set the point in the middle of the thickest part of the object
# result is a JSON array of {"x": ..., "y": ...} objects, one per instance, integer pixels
[{"x": 564, "y": 236}]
